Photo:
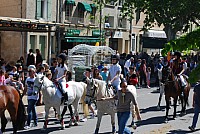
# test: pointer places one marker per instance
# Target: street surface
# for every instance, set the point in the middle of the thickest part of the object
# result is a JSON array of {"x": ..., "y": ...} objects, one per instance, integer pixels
[{"x": 152, "y": 119}]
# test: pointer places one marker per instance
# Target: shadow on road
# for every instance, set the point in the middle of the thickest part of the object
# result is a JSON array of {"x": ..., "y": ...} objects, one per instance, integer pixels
[
  {"x": 181, "y": 131},
  {"x": 36, "y": 131},
  {"x": 153, "y": 108},
  {"x": 153, "y": 120}
]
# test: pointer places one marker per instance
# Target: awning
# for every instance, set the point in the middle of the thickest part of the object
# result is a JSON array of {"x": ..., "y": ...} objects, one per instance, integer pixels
[
  {"x": 68, "y": 2},
  {"x": 156, "y": 43},
  {"x": 85, "y": 6},
  {"x": 81, "y": 39},
  {"x": 155, "y": 34}
]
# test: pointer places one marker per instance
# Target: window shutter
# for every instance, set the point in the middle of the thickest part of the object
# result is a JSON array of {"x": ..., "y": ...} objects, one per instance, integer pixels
[
  {"x": 38, "y": 9},
  {"x": 49, "y": 7}
]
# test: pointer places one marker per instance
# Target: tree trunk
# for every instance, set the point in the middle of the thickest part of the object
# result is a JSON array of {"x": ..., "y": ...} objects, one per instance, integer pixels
[{"x": 171, "y": 33}]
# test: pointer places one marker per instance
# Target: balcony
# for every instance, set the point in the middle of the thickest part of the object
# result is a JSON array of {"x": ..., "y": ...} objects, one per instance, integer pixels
[{"x": 78, "y": 20}]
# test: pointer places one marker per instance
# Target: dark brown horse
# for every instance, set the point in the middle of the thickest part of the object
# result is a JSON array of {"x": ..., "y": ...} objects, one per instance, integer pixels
[
  {"x": 10, "y": 100},
  {"x": 172, "y": 89}
]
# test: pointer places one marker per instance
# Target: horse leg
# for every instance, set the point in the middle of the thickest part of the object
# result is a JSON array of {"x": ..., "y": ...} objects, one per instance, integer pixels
[
  {"x": 46, "y": 117},
  {"x": 159, "y": 101},
  {"x": 13, "y": 114},
  {"x": 113, "y": 122},
  {"x": 75, "y": 104},
  {"x": 175, "y": 101},
  {"x": 4, "y": 121},
  {"x": 185, "y": 100},
  {"x": 167, "y": 107},
  {"x": 99, "y": 117}
]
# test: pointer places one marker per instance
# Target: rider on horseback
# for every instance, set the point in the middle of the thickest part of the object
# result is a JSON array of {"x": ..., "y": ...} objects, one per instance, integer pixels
[
  {"x": 114, "y": 73},
  {"x": 60, "y": 75},
  {"x": 179, "y": 68}
]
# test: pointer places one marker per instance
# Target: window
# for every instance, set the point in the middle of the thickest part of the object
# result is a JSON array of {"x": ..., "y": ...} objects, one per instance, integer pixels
[
  {"x": 92, "y": 15},
  {"x": 122, "y": 22},
  {"x": 80, "y": 16},
  {"x": 44, "y": 9}
]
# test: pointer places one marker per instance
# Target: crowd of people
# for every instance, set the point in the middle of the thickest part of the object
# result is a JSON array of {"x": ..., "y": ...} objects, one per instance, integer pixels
[{"x": 141, "y": 70}]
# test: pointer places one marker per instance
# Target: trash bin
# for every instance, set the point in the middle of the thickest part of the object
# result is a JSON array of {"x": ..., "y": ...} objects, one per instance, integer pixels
[{"x": 79, "y": 70}]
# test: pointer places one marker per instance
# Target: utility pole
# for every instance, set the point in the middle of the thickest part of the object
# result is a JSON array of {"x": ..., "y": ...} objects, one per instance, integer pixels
[
  {"x": 130, "y": 34},
  {"x": 100, "y": 3}
]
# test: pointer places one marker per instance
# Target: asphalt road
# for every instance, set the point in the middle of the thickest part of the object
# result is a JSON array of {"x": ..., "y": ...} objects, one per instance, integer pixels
[{"x": 152, "y": 119}]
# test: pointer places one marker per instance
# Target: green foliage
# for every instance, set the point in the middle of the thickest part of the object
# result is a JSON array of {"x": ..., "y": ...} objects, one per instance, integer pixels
[
  {"x": 195, "y": 75},
  {"x": 190, "y": 41}
]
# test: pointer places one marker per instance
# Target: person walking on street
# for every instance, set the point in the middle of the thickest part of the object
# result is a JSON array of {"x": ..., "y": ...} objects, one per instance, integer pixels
[
  {"x": 32, "y": 97},
  {"x": 143, "y": 73},
  {"x": 125, "y": 98},
  {"x": 196, "y": 106}
]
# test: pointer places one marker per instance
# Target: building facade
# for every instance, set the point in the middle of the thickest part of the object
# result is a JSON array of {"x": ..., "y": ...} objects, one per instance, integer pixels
[{"x": 15, "y": 44}]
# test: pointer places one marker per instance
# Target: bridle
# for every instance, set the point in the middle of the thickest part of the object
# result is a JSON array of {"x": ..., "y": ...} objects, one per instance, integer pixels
[
  {"x": 93, "y": 88},
  {"x": 41, "y": 84},
  {"x": 167, "y": 78}
]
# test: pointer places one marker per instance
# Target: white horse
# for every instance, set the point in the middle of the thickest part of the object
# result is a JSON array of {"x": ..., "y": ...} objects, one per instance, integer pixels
[
  {"x": 98, "y": 90},
  {"x": 52, "y": 96}
]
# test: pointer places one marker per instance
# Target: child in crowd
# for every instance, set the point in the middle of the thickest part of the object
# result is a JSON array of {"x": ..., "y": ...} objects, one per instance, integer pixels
[
  {"x": 41, "y": 70},
  {"x": 104, "y": 74},
  {"x": 148, "y": 76}
]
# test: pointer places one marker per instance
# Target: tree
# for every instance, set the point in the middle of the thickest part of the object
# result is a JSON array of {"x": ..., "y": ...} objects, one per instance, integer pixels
[{"x": 174, "y": 15}]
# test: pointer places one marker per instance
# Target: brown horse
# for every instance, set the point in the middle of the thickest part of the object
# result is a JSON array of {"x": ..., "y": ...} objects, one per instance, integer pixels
[
  {"x": 10, "y": 100},
  {"x": 172, "y": 89}
]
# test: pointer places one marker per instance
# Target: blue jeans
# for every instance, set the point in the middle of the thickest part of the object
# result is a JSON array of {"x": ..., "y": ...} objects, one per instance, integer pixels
[
  {"x": 31, "y": 111},
  {"x": 122, "y": 120},
  {"x": 196, "y": 115}
]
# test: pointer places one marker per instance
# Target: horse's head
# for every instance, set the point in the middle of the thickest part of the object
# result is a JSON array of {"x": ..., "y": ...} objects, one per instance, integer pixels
[
  {"x": 38, "y": 83},
  {"x": 166, "y": 74},
  {"x": 91, "y": 88}
]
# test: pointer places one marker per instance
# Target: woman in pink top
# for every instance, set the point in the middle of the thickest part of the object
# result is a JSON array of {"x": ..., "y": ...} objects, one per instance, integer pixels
[{"x": 2, "y": 77}]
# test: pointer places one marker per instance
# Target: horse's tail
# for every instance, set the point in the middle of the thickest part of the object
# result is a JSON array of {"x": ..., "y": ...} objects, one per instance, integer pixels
[
  {"x": 85, "y": 106},
  {"x": 21, "y": 115}
]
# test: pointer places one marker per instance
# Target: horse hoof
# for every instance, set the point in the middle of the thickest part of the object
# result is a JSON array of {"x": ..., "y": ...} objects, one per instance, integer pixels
[
  {"x": 43, "y": 130},
  {"x": 76, "y": 124},
  {"x": 96, "y": 131}
]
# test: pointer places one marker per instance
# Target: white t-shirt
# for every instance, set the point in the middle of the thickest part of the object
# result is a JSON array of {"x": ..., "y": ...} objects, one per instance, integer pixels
[
  {"x": 61, "y": 71},
  {"x": 113, "y": 70},
  {"x": 30, "y": 83}
]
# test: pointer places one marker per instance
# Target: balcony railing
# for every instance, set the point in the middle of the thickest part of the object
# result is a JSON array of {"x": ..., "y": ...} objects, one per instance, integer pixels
[{"x": 78, "y": 20}]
